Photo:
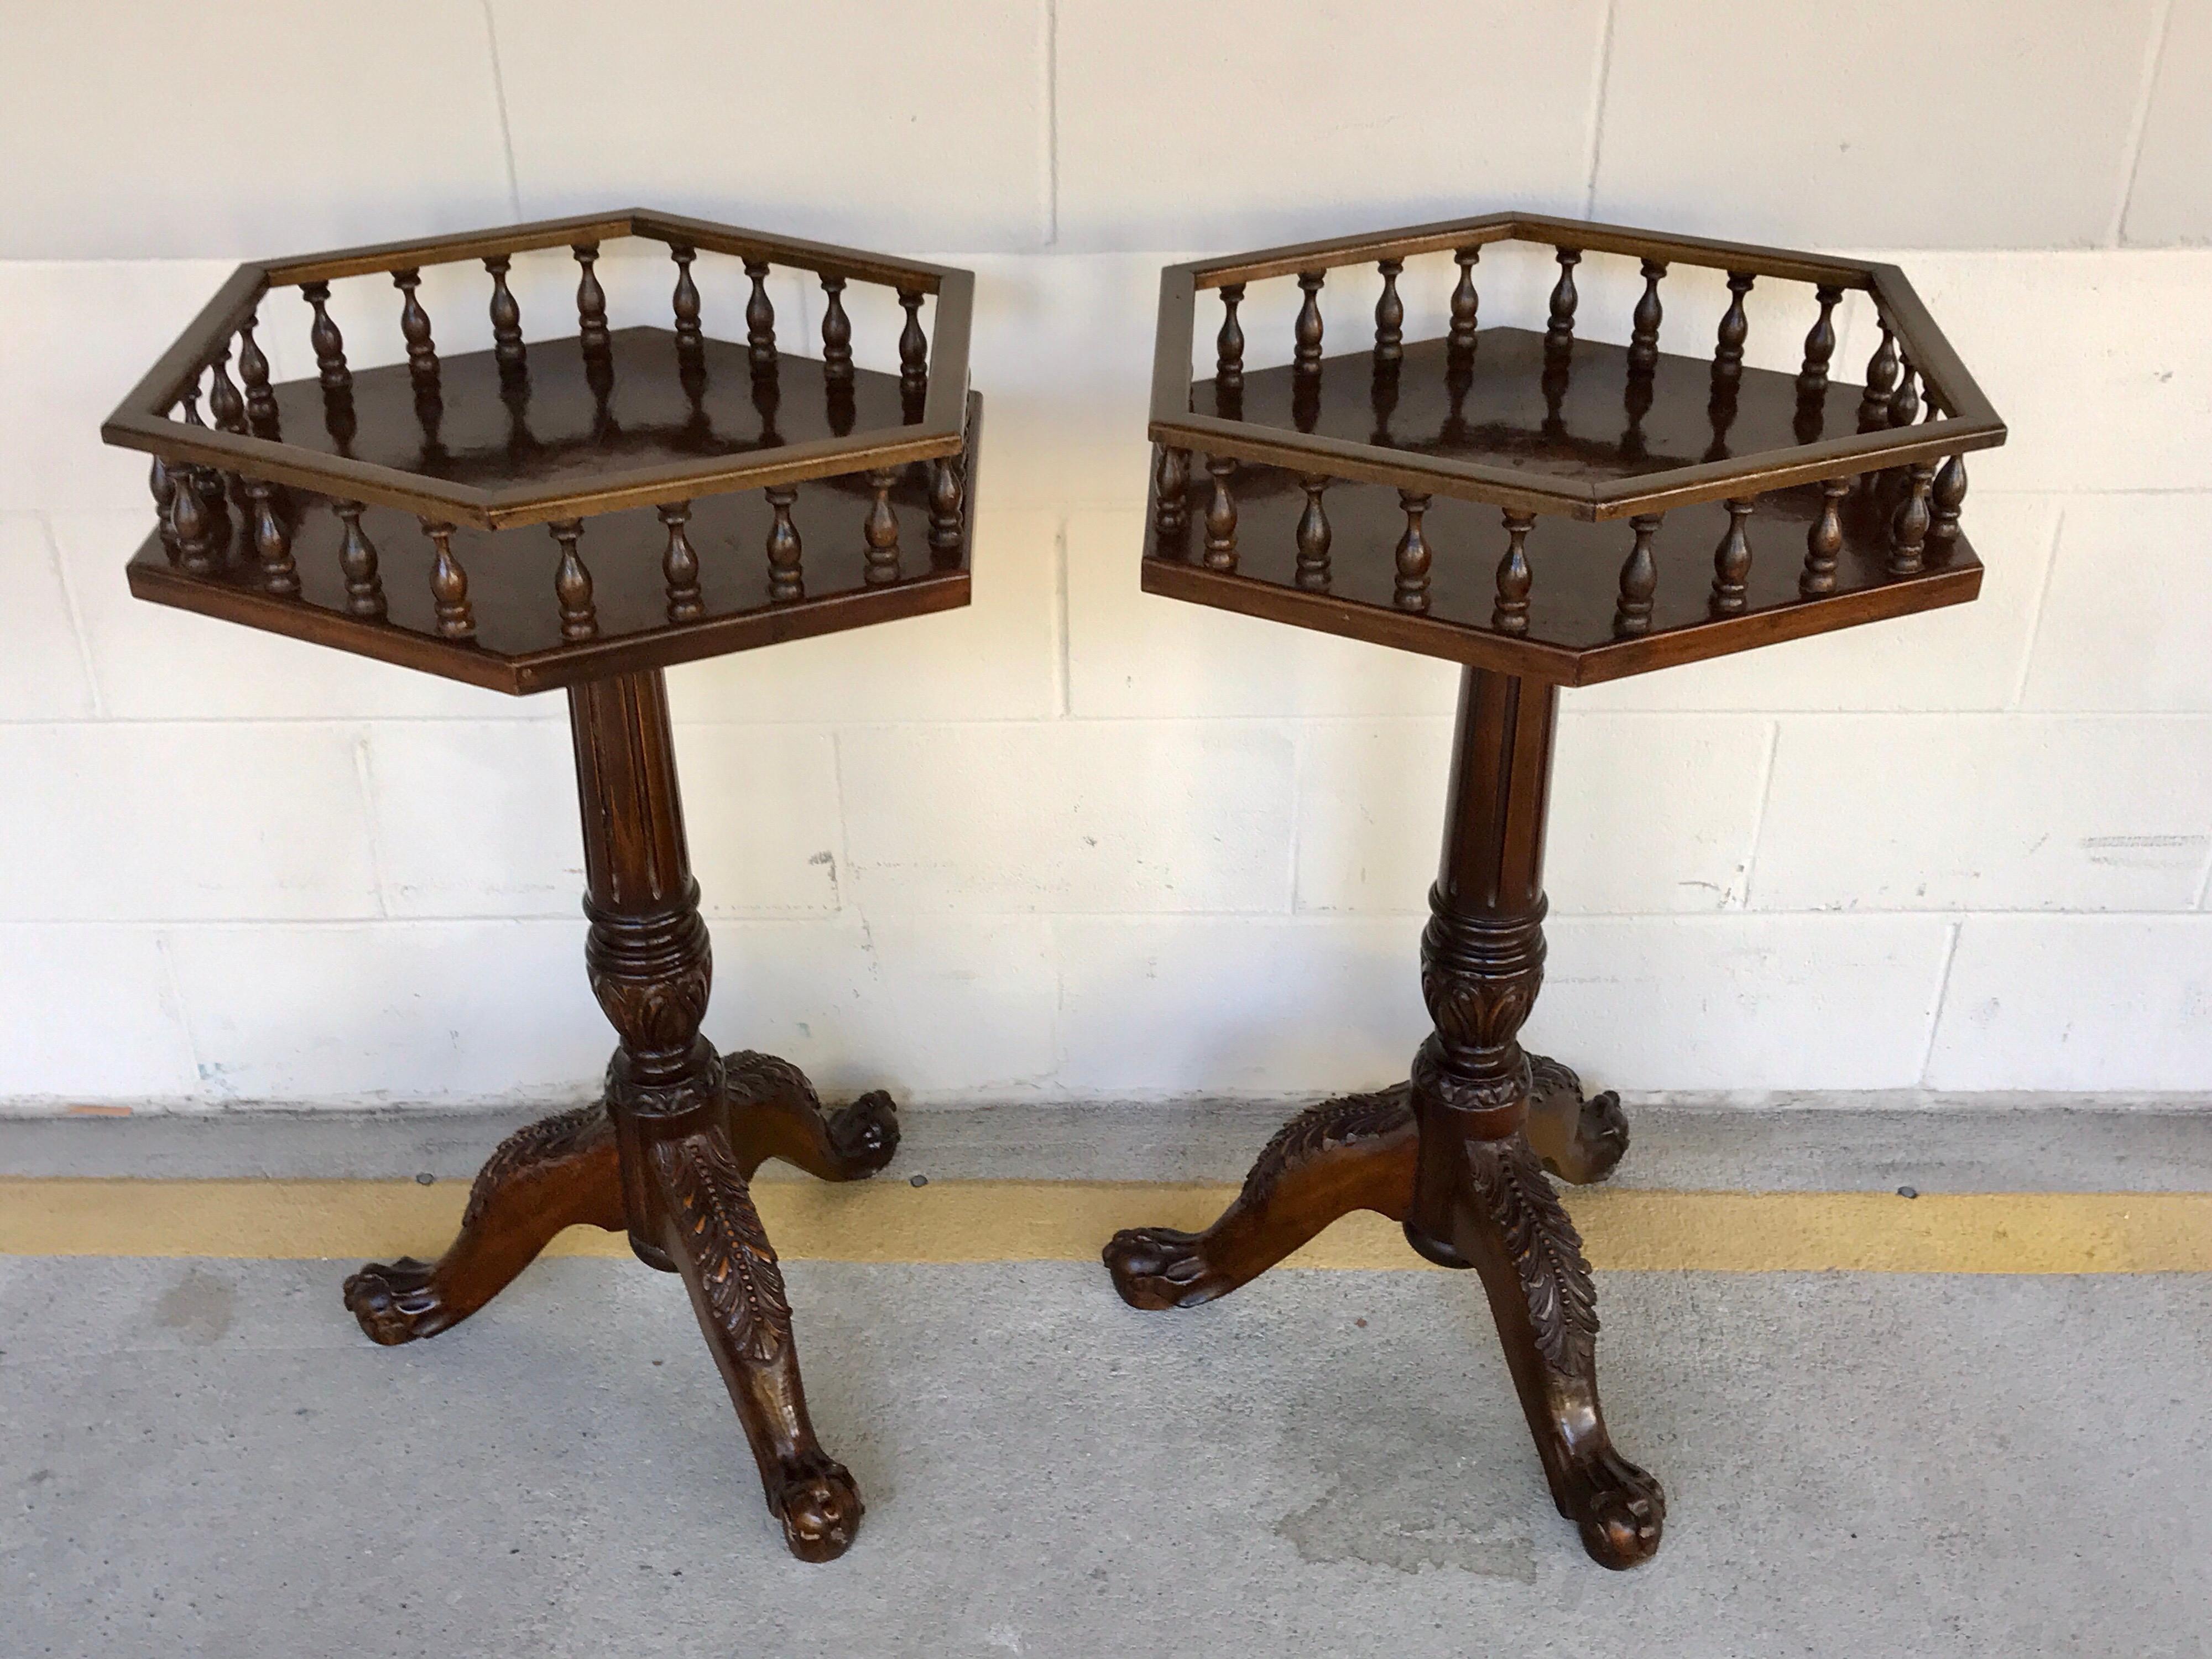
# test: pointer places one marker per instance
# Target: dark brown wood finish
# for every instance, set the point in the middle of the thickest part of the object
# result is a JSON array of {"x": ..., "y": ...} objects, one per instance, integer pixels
[
  {"x": 668, "y": 1151},
  {"x": 1457, "y": 1155},
  {"x": 1724, "y": 473},
  {"x": 928, "y": 425},
  {"x": 1820, "y": 444},
  {"x": 395, "y": 517}
]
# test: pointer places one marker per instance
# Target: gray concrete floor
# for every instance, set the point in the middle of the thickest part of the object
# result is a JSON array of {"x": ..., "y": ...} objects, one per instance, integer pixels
[{"x": 205, "y": 1458}]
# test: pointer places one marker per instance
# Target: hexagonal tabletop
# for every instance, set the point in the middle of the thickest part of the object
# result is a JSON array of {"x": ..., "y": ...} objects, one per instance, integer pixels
[
  {"x": 1345, "y": 490},
  {"x": 551, "y": 509}
]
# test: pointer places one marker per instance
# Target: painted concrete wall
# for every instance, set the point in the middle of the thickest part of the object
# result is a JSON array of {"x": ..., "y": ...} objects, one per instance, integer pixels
[{"x": 1076, "y": 840}]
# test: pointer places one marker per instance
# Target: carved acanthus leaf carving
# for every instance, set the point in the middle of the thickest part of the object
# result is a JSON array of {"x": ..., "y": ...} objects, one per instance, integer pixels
[
  {"x": 752, "y": 1076},
  {"x": 542, "y": 1142},
  {"x": 1319, "y": 1129},
  {"x": 1547, "y": 1253},
  {"x": 708, "y": 1195},
  {"x": 657, "y": 1017}
]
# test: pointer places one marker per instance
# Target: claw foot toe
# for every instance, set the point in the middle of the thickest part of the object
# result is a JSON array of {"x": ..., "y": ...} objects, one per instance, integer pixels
[
  {"x": 1579, "y": 1141},
  {"x": 1619, "y": 1508},
  {"x": 866, "y": 1134},
  {"x": 395, "y": 1302},
  {"x": 820, "y": 1508},
  {"x": 1157, "y": 1267}
]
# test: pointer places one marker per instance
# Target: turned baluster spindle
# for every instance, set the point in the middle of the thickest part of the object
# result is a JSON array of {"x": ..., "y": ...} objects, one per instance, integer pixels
[
  {"x": 415, "y": 328},
  {"x": 785, "y": 579},
  {"x": 1411, "y": 558},
  {"x": 1732, "y": 562},
  {"x": 572, "y": 583},
  {"x": 1639, "y": 580},
  {"x": 1735, "y": 329},
  {"x": 1905, "y": 401},
  {"x": 685, "y": 302},
  {"x": 913, "y": 344},
  {"x": 1644, "y": 323},
  {"x": 837, "y": 332},
  {"x": 1313, "y": 537},
  {"x": 679, "y": 566},
  {"x": 1305, "y": 353},
  {"x": 1824, "y": 540},
  {"x": 1819, "y": 346},
  {"x": 163, "y": 483},
  {"x": 449, "y": 586},
  {"x": 254, "y": 368},
  {"x": 591, "y": 310},
  {"x": 1908, "y": 529},
  {"x": 330, "y": 345},
  {"x": 1173, "y": 491},
  {"x": 946, "y": 491},
  {"x": 1220, "y": 516},
  {"x": 205, "y": 482},
  {"x": 228, "y": 407},
  {"x": 272, "y": 538},
  {"x": 1560, "y": 336},
  {"x": 760, "y": 320},
  {"x": 1880, "y": 382},
  {"x": 881, "y": 532},
  {"x": 507, "y": 347},
  {"x": 1465, "y": 303},
  {"x": 357, "y": 559},
  {"x": 1510, "y": 614},
  {"x": 1947, "y": 498},
  {"x": 1229, "y": 343},
  {"x": 1390, "y": 315},
  {"x": 189, "y": 527}
]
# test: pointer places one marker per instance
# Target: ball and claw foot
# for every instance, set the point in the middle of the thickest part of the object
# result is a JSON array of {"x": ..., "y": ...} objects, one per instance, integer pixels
[
  {"x": 1579, "y": 1141},
  {"x": 1618, "y": 1508},
  {"x": 865, "y": 1135},
  {"x": 395, "y": 1302},
  {"x": 1155, "y": 1268},
  {"x": 819, "y": 1506}
]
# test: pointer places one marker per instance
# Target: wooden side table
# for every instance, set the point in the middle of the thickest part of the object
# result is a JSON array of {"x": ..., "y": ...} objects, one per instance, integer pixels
[
  {"x": 1354, "y": 493},
  {"x": 700, "y": 496}
]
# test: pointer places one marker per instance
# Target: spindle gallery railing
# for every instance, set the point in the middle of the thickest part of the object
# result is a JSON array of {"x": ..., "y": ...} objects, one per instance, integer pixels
[
  {"x": 806, "y": 427},
  {"x": 1881, "y": 503}
]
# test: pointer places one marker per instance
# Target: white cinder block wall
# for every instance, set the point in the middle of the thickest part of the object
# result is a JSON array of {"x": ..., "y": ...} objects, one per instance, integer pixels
[{"x": 1076, "y": 841}]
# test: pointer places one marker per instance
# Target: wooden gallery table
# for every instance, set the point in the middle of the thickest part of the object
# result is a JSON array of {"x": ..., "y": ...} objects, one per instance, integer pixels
[
  {"x": 1361, "y": 495},
  {"x": 579, "y": 512}
]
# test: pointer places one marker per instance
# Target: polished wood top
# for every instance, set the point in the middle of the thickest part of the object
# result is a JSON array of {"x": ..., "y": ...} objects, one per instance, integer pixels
[
  {"x": 571, "y": 420},
  {"x": 1513, "y": 406}
]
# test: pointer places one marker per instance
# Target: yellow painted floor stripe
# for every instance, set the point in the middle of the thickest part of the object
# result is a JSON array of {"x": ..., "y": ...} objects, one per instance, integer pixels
[{"x": 1067, "y": 1221}]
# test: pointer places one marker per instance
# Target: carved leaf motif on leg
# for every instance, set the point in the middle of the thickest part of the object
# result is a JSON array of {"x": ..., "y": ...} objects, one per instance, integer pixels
[
  {"x": 1545, "y": 1250},
  {"x": 745, "y": 1287},
  {"x": 1320, "y": 1128},
  {"x": 751, "y": 1076},
  {"x": 534, "y": 1142}
]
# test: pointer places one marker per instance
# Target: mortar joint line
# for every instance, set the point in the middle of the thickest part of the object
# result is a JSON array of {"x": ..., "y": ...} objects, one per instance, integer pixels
[
  {"x": 499, "y": 98},
  {"x": 1942, "y": 996},
  {"x": 1597, "y": 108},
  {"x": 75, "y": 612},
  {"x": 2153, "y": 56}
]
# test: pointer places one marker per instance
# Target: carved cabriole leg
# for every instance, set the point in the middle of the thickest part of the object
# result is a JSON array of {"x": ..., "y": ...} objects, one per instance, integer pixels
[
  {"x": 774, "y": 1113},
  {"x": 683, "y": 1183},
  {"x": 1356, "y": 1153},
  {"x": 559, "y": 1172},
  {"x": 1479, "y": 1196}
]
